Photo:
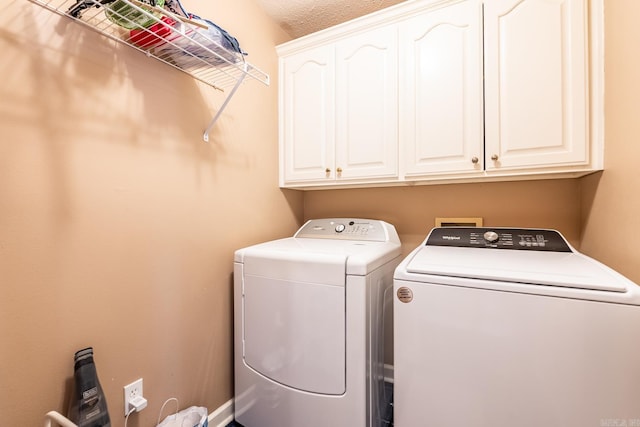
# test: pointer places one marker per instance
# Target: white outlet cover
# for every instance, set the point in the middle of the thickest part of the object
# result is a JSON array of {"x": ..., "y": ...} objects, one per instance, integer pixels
[{"x": 130, "y": 391}]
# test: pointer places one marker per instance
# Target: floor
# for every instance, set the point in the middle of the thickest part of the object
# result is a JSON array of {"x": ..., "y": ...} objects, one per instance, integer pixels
[{"x": 387, "y": 412}]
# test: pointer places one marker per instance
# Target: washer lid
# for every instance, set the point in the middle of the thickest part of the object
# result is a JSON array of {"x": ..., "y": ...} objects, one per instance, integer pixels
[{"x": 562, "y": 269}]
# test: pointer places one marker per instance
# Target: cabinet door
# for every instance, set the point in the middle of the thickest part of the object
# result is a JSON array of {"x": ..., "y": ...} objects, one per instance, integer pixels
[
  {"x": 441, "y": 96},
  {"x": 536, "y": 83},
  {"x": 307, "y": 115},
  {"x": 367, "y": 105}
]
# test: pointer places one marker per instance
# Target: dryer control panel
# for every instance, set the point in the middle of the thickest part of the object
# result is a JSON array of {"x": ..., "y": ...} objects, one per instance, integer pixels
[
  {"x": 530, "y": 239},
  {"x": 346, "y": 229}
]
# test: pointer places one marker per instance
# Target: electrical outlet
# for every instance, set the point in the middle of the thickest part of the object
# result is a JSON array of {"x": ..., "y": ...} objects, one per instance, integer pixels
[{"x": 132, "y": 391}]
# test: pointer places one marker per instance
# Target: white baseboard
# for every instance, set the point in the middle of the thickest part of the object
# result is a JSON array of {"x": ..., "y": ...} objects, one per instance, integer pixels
[{"x": 222, "y": 416}]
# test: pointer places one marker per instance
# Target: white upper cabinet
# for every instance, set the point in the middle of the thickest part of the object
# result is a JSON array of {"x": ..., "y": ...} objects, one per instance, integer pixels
[
  {"x": 339, "y": 111},
  {"x": 307, "y": 115},
  {"x": 366, "y": 105},
  {"x": 433, "y": 91},
  {"x": 536, "y": 77},
  {"x": 441, "y": 95}
]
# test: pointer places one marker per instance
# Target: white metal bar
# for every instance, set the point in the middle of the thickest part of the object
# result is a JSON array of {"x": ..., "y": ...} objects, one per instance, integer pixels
[
  {"x": 57, "y": 419},
  {"x": 222, "y": 107}
]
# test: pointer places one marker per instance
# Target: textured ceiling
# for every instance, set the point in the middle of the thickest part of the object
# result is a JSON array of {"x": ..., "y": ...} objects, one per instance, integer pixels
[{"x": 302, "y": 17}]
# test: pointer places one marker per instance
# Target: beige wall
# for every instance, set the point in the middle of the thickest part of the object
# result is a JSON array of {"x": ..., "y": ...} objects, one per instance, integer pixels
[
  {"x": 117, "y": 222},
  {"x": 611, "y": 200},
  {"x": 553, "y": 204}
]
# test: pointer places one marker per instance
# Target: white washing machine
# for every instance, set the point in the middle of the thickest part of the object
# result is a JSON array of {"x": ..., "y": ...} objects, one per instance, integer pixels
[
  {"x": 308, "y": 325},
  {"x": 513, "y": 327}
]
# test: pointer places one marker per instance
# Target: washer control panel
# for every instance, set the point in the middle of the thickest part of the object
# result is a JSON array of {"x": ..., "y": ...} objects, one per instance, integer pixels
[
  {"x": 344, "y": 229},
  {"x": 499, "y": 238}
]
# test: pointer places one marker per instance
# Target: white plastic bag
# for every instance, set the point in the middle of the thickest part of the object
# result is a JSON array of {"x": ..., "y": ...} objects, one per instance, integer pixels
[
  {"x": 195, "y": 416},
  {"x": 192, "y": 47}
]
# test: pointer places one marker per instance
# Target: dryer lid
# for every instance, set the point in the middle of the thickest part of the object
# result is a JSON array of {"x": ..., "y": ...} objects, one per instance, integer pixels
[{"x": 354, "y": 257}]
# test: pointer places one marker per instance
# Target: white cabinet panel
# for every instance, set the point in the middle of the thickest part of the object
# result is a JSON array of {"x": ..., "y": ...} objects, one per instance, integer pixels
[
  {"x": 307, "y": 103},
  {"x": 366, "y": 105},
  {"x": 536, "y": 83},
  {"x": 441, "y": 96}
]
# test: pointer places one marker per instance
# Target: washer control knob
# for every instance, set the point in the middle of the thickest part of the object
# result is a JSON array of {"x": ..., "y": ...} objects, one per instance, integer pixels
[
  {"x": 340, "y": 228},
  {"x": 491, "y": 236}
]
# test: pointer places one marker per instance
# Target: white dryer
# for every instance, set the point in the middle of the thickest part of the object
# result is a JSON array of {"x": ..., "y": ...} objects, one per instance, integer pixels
[
  {"x": 308, "y": 325},
  {"x": 513, "y": 327}
]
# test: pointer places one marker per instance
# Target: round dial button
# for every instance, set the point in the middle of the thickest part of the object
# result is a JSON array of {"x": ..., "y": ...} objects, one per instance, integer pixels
[
  {"x": 491, "y": 236},
  {"x": 340, "y": 228}
]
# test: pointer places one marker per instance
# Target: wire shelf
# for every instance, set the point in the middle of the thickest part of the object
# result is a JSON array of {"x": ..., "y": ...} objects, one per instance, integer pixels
[{"x": 190, "y": 44}]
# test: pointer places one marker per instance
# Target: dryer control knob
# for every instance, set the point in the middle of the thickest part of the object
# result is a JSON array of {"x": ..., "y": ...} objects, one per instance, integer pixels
[
  {"x": 491, "y": 236},
  {"x": 340, "y": 228}
]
